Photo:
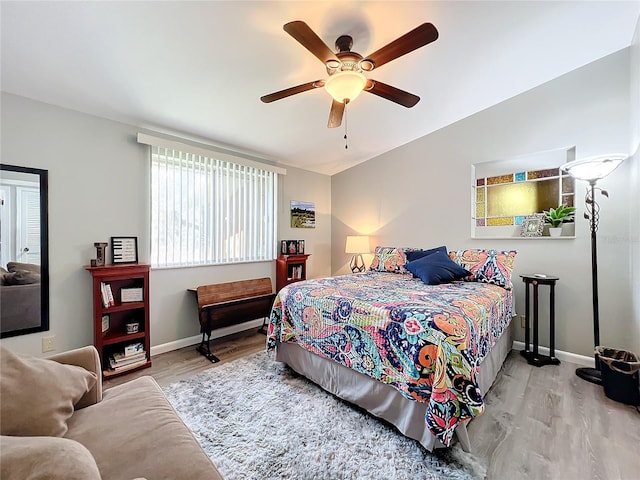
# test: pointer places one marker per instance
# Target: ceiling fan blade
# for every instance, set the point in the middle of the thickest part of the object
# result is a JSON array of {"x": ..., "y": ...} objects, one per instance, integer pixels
[
  {"x": 309, "y": 40},
  {"x": 394, "y": 94},
  {"x": 335, "y": 115},
  {"x": 272, "y": 97},
  {"x": 416, "y": 38}
]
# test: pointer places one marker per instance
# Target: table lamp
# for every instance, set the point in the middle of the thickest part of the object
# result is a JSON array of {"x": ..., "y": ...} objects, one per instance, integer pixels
[{"x": 357, "y": 244}]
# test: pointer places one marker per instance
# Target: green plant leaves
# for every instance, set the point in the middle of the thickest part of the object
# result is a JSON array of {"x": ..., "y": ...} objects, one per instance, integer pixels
[{"x": 555, "y": 216}]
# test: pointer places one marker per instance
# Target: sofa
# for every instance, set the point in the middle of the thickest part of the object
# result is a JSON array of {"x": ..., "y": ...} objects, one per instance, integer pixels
[
  {"x": 58, "y": 423},
  {"x": 20, "y": 297}
]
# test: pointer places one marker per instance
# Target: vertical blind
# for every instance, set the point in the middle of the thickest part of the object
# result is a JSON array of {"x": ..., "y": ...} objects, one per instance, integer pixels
[{"x": 210, "y": 211}]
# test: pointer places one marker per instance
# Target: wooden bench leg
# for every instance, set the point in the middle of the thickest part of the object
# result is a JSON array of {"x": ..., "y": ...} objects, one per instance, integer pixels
[{"x": 263, "y": 328}]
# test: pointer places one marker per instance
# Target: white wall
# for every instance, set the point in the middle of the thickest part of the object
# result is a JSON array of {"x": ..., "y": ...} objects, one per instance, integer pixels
[
  {"x": 634, "y": 187},
  {"x": 98, "y": 188},
  {"x": 419, "y": 195},
  {"x": 309, "y": 187}
]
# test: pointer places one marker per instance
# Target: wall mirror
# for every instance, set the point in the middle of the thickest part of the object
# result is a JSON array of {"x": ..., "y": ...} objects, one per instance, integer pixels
[
  {"x": 24, "y": 251},
  {"x": 505, "y": 192}
]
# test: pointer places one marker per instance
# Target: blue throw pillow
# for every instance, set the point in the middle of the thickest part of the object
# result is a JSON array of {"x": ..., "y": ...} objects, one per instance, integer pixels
[
  {"x": 416, "y": 254},
  {"x": 437, "y": 268}
]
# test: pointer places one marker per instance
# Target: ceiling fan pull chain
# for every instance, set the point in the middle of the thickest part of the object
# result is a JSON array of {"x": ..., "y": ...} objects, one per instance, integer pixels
[{"x": 345, "y": 126}]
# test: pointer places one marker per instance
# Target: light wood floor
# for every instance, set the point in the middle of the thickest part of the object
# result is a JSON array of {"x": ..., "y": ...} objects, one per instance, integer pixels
[
  {"x": 540, "y": 423},
  {"x": 173, "y": 366}
]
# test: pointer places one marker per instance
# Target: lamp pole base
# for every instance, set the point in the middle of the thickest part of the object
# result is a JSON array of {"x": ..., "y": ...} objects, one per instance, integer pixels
[{"x": 591, "y": 375}]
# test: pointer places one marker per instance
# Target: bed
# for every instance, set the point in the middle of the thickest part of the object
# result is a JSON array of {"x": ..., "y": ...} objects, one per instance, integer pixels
[{"x": 419, "y": 356}]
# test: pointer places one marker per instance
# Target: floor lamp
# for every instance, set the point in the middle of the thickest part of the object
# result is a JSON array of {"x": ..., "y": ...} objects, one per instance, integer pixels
[
  {"x": 357, "y": 244},
  {"x": 591, "y": 170}
]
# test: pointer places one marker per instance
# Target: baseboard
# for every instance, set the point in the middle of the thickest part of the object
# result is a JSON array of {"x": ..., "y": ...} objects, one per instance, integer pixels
[
  {"x": 560, "y": 355},
  {"x": 217, "y": 333}
]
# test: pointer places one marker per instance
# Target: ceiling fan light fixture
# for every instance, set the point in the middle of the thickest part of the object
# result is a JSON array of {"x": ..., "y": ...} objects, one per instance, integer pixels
[{"x": 345, "y": 85}]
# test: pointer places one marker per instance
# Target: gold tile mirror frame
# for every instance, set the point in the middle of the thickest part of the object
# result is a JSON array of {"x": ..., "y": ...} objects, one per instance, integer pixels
[{"x": 505, "y": 192}]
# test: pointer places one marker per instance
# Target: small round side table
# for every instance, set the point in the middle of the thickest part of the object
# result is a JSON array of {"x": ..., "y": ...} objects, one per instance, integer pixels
[{"x": 533, "y": 356}]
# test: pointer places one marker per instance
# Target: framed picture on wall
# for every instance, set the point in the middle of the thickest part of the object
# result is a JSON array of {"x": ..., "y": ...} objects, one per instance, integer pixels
[
  {"x": 532, "y": 225},
  {"x": 303, "y": 214}
]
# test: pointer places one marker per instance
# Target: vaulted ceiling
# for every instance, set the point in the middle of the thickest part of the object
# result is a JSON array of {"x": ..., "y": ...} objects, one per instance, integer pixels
[{"x": 198, "y": 69}]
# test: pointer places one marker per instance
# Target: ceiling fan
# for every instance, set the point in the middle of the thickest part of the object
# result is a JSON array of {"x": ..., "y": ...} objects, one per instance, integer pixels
[{"x": 346, "y": 68}]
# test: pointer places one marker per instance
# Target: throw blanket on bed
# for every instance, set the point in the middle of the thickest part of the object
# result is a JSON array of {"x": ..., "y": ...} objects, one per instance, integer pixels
[{"x": 426, "y": 341}]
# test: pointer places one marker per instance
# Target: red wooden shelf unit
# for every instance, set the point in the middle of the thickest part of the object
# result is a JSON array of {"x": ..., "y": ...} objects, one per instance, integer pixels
[{"x": 111, "y": 337}]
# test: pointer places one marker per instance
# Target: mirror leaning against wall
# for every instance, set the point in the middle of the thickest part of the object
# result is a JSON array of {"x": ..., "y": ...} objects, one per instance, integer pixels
[{"x": 24, "y": 251}]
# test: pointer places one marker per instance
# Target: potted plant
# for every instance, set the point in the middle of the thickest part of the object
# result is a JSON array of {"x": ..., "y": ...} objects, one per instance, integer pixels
[{"x": 556, "y": 216}]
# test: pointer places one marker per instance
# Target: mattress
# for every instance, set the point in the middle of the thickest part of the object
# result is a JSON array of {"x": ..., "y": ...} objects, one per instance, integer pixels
[{"x": 425, "y": 342}]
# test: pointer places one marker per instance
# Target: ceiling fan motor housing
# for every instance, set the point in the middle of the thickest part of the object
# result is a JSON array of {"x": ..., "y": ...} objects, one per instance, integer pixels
[{"x": 349, "y": 61}]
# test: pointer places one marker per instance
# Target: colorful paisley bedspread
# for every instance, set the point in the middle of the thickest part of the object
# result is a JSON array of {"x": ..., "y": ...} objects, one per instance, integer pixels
[{"x": 427, "y": 341}]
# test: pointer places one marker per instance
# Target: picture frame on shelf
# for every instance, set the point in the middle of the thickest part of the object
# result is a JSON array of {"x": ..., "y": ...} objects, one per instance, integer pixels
[
  {"x": 105, "y": 323},
  {"x": 124, "y": 250},
  {"x": 532, "y": 225},
  {"x": 300, "y": 247},
  {"x": 292, "y": 247},
  {"x": 283, "y": 247},
  {"x": 128, "y": 295}
]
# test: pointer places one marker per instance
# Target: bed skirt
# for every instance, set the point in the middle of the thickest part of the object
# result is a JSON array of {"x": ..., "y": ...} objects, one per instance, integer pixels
[{"x": 382, "y": 400}]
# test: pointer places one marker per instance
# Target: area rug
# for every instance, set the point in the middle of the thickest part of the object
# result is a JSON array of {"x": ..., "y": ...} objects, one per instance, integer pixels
[{"x": 257, "y": 419}]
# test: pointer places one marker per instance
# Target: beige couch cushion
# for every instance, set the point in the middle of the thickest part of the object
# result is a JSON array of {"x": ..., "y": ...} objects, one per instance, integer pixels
[
  {"x": 37, "y": 395},
  {"x": 29, "y": 267},
  {"x": 45, "y": 458},
  {"x": 21, "y": 277},
  {"x": 135, "y": 432}
]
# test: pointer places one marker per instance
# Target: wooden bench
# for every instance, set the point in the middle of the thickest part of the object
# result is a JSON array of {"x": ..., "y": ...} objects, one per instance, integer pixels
[{"x": 224, "y": 304}]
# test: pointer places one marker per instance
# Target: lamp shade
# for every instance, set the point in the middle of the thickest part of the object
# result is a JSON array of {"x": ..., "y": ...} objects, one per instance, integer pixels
[
  {"x": 345, "y": 85},
  {"x": 357, "y": 244},
  {"x": 592, "y": 169}
]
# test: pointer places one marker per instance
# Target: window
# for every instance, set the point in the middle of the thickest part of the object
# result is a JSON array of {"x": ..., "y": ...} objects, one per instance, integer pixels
[{"x": 207, "y": 209}]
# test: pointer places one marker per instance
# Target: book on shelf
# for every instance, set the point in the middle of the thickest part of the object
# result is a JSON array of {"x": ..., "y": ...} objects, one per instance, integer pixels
[
  {"x": 107, "y": 295},
  {"x": 132, "y": 354},
  {"x": 133, "y": 349},
  {"x": 120, "y": 357},
  {"x": 128, "y": 366},
  {"x": 296, "y": 272},
  {"x": 112, "y": 302},
  {"x": 117, "y": 363}
]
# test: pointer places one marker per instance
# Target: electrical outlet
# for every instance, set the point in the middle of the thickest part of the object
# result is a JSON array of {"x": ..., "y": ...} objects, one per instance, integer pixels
[
  {"x": 522, "y": 322},
  {"x": 48, "y": 344}
]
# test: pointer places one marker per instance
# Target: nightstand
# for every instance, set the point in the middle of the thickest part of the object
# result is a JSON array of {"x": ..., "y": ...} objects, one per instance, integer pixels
[{"x": 532, "y": 356}]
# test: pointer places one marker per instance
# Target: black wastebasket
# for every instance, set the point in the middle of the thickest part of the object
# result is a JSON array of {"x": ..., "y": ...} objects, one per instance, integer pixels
[{"x": 620, "y": 371}]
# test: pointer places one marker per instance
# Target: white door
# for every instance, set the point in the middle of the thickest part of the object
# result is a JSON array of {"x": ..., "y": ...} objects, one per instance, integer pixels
[
  {"x": 28, "y": 225},
  {"x": 6, "y": 242}
]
